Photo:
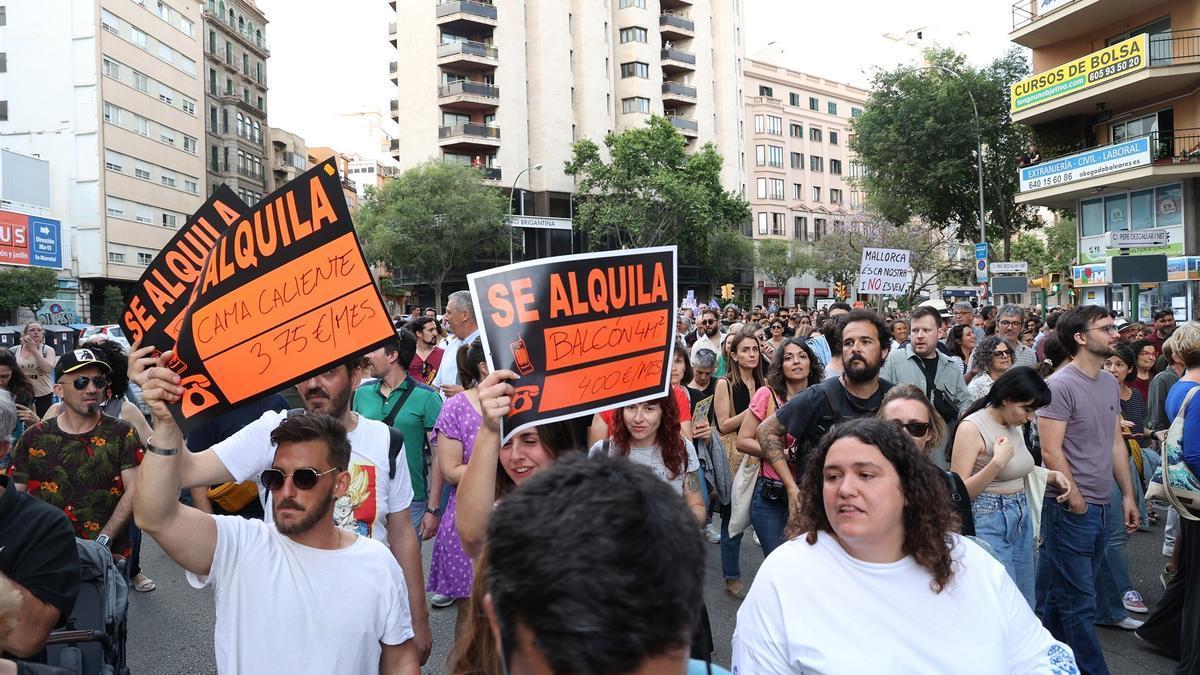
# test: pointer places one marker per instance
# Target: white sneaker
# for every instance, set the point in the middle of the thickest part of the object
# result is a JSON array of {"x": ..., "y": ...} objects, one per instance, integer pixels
[
  {"x": 440, "y": 601},
  {"x": 1128, "y": 623},
  {"x": 712, "y": 533}
]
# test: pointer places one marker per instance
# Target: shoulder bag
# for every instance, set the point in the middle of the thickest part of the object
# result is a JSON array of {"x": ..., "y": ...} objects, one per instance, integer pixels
[{"x": 1174, "y": 481}]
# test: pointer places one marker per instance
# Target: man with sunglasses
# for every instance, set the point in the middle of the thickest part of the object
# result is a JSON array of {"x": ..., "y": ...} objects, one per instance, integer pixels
[
  {"x": 82, "y": 461},
  {"x": 376, "y": 505},
  {"x": 708, "y": 332},
  {"x": 302, "y": 595}
]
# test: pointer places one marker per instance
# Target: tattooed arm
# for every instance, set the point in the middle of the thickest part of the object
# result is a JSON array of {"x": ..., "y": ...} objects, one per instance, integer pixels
[
  {"x": 770, "y": 437},
  {"x": 691, "y": 496}
]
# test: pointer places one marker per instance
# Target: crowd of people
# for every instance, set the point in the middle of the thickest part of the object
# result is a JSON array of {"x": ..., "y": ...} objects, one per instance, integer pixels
[{"x": 959, "y": 484}]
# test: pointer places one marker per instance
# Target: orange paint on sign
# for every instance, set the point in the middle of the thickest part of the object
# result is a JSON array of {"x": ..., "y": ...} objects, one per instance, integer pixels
[
  {"x": 599, "y": 382},
  {"x": 604, "y": 339}
]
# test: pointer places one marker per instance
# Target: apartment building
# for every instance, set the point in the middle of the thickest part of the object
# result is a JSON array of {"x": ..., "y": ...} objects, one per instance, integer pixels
[
  {"x": 110, "y": 94},
  {"x": 802, "y": 173},
  {"x": 1114, "y": 106},
  {"x": 320, "y": 154},
  {"x": 287, "y": 157},
  {"x": 510, "y": 85},
  {"x": 235, "y": 97}
]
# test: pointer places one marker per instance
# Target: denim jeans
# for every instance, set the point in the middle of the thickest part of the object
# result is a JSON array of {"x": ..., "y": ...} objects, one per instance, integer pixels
[
  {"x": 768, "y": 518},
  {"x": 1072, "y": 551},
  {"x": 731, "y": 549},
  {"x": 416, "y": 509},
  {"x": 1003, "y": 522},
  {"x": 703, "y": 487},
  {"x": 1112, "y": 578}
]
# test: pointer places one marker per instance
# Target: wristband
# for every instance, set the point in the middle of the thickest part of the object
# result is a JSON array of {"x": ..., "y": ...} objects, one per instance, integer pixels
[
  {"x": 104, "y": 540},
  {"x": 436, "y": 512},
  {"x": 162, "y": 452}
]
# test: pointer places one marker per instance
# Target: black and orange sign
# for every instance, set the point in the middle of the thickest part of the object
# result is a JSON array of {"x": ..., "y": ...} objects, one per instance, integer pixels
[
  {"x": 585, "y": 332},
  {"x": 155, "y": 311},
  {"x": 285, "y": 294}
]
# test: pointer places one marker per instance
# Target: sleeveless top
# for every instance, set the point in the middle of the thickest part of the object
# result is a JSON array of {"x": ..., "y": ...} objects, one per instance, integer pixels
[
  {"x": 1011, "y": 478},
  {"x": 42, "y": 382}
]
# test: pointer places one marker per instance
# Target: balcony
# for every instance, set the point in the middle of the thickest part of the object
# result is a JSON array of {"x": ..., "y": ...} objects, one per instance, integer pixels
[
  {"x": 1034, "y": 26},
  {"x": 688, "y": 127},
  {"x": 676, "y": 27},
  {"x": 249, "y": 174},
  {"x": 467, "y": 95},
  {"x": 677, "y": 60},
  {"x": 468, "y": 136},
  {"x": 392, "y": 4},
  {"x": 394, "y": 105},
  {"x": 394, "y": 145},
  {"x": 462, "y": 17},
  {"x": 678, "y": 93},
  {"x": 492, "y": 173},
  {"x": 465, "y": 56},
  {"x": 392, "y": 34},
  {"x": 675, "y": 4},
  {"x": 1167, "y": 65},
  {"x": 1157, "y": 158},
  {"x": 393, "y": 70}
]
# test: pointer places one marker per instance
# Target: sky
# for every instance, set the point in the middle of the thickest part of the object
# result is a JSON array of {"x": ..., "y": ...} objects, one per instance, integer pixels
[{"x": 316, "y": 75}]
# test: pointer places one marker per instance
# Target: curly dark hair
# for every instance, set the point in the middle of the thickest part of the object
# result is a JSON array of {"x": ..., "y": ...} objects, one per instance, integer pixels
[
  {"x": 981, "y": 358},
  {"x": 117, "y": 359},
  {"x": 670, "y": 442},
  {"x": 775, "y": 378},
  {"x": 929, "y": 518}
]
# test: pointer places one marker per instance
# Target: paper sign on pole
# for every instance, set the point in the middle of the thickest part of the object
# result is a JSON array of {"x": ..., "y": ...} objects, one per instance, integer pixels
[
  {"x": 884, "y": 271},
  {"x": 155, "y": 311},
  {"x": 585, "y": 332},
  {"x": 284, "y": 295},
  {"x": 1010, "y": 267}
]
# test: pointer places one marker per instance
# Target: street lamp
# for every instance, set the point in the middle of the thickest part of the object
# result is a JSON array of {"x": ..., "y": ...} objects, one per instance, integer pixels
[{"x": 511, "y": 191}]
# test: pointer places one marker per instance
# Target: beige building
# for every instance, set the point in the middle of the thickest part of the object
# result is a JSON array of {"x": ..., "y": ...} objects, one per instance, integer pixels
[
  {"x": 509, "y": 85},
  {"x": 349, "y": 189},
  {"x": 287, "y": 158},
  {"x": 235, "y": 97},
  {"x": 801, "y": 171}
]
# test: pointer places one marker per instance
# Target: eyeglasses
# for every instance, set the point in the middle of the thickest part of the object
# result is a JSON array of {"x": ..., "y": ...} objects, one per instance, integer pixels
[
  {"x": 1110, "y": 328},
  {"x": 776, "y": 327},
  {"x": 1010, "y": 324},
  {"x": 1001, "y": 354},
  {"x": 707, "y": 322},
  {"x": 303, "y": 479},
  {"x": 915, "y": 429},
  {"x": 81, "y": 383}
]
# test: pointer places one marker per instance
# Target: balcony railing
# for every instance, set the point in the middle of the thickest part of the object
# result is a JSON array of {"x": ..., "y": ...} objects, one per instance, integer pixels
[
  {"x": 467, "y": 49},
  {"x": 491, "y": 173},
  {"x": 470, "y": 129},
  {"x": 678, "y": 55},
  {"x": 677, "y": 21},
  {"x": 395, "y": 105},
  {"x": 1023, "y": 13},
  {"x": 480, "y": 9},
  {"x": 468, "y": 87},
  {"x": 393, "y": 67},
  {"x": 684, "y": 123},
  {"x": 679, "y": 89},
  {"x": 1177, "y": 146},
  {"x": 1175, "y": 48},
  {"x": 251, "y": 174}
]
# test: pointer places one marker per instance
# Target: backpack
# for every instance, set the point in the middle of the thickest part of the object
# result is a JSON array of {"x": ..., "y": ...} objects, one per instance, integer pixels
[
  {"x": 395, "y": 443},
  {"x": 833, "y": 409}
]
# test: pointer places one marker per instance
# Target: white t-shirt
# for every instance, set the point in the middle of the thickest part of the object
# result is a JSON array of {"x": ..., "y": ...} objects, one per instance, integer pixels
[
  {"x": 448, "y": 372},
  {"x": 652, "y": 457},
  {"x": 372, "y": 495},
  {"x": 815, "y": 609},
  {"x": 283, "y": 607}
]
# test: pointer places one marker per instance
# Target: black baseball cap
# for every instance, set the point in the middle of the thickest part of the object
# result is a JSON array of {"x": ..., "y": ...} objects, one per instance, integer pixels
[{"x": 76, "y": 359}]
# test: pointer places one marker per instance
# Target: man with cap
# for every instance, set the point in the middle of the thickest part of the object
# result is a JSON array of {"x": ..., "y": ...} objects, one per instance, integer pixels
[{"x": 83, "y": 462}]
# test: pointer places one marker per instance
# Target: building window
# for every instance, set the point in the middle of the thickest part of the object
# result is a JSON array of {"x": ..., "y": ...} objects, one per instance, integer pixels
[
  {"x": 145, "y": 258},
  {"x": 855, "y": 200},
  {"x": 797, "y": 160},
  {"x": 215, "y": 159},
  {"x": 212, "y": 81},
  {"x": 794, "y": 99},
  {"x": 626, "y": 4},
  {"x": 760, "y": 155},
  {"x": 166, "y": 96},
  {"x": 143, "y": 214},
  {"x": 778, "y": 224},
  {"x": 831, "y": 107},
  {"x": 3, "y": 15},
  {"x": 816, "y": 193},
  {"x": 138, "y": 37},
  {"x": 762, "y": 222},
  {"x": 633, "y": 34},
  {"x": 112, "y": 69},
  {"x": 114, "y": 207},
  {"x": 764, "y": 90},
  {"x": 115, "y": 257},
  {"x": 113, "y": 161},
  {"x": 835, "y": 167},
  {"x": 760, "y": 124},
  {"x": 141, "y": 82},
  {"x": 188, "y": 106},
  {"x": 835, "y": 196},
  {"x": 814, "y": 134},
  {"x": 796, "y": 130},
  {"x": 775, "y": 156},
  {"x": 191, "y": 186},
  {"x": 797, "y": 191},
  {"x": 774, "y": 125},
  {"x": 635, "y": 69},
  {"x": 776, "y": 191},
  {"x": 813, "y": 103},
  {"x": 762, "y": 188},
  {"x": 856, "y": 112},
  {"x": 112, "y": 113},
  {"x": 3, "y": 111},
  {"x": 143, "y": 174},
  {"x": 833, "y": 138},
  {"x": 815, "y": 163},
  {"x": 818, "y": 230},
  {"x": 801, "y": 225},
  {"x": 635, "y": 104},
  {"x": 170, "y": 220}
]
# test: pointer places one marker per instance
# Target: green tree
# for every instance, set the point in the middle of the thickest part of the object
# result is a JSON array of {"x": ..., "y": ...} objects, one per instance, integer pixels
[
  {"x": 432, "y": 219},
  {"x": 653, "y": 193},
  {"x": 1031, "y": 249},
  {"x": 112, "y": 306},
  {"x": 730, "y": 252},
  {"x": 779, "y": 260},
  {"x": 917, "y": 137},
  {"x": 26, "y": 287}
]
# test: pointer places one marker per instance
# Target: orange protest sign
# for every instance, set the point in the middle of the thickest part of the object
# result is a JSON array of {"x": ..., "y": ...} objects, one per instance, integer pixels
[
  {"x": 285, "y": 294},
  {"x": 585, "y": 332}
]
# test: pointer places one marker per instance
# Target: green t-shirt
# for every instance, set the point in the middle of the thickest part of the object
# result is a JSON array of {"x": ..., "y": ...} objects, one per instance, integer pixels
[{"x": 414, "y": 420}]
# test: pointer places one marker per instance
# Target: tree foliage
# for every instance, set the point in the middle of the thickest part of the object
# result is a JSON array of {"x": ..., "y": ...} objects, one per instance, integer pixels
[
  {"x": 432, "y": 219},
  {"x": 838, "y": 256},
  {"x": 26, "y": 287},
  {"x": 779, "y": 260},
  {"x": 653, "y": 193},
  {"x": 917, "y": 137},
  {"x": 729, "y": 252},
  {"x": 112, "y": 306},
  {"x": 1055, "y": 254}
]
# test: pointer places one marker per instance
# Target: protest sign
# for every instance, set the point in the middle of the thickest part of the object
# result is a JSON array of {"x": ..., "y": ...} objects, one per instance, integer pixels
[
  {"x": 585, "y": 332},
  {"x": 285, "y": 294},
  {"x": 155, "y": 310},
  {"x": 884, "y": 271}
]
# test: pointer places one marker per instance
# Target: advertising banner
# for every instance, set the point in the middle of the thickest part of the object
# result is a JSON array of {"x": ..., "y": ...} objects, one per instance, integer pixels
[
  {"x": 585, "y": 332},
  {"x": 30, "y": 240},
  {"x": 285, "y": 294},
  {"x": 1105, "y": 65},
  {"x": 1087, "y": 164}
]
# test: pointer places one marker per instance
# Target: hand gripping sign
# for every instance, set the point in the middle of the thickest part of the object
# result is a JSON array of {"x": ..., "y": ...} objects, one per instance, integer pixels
[
  {"x": 155, "y": 310},
  {"x": 284, "y": 295},
  {"x": 585, "y": 332}
]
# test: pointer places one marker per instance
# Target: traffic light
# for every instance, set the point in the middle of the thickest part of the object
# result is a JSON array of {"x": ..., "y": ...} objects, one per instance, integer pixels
[
  {"x": 1054, "y": 279},
  {"x": 839, "y": 289},
  {"x": 727, "y": 292}
]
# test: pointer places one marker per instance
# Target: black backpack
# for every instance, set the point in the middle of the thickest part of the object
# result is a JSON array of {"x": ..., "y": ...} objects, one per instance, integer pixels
[
  {"x": 395, "y": 443},
  {"x": 833, "y": 409}
]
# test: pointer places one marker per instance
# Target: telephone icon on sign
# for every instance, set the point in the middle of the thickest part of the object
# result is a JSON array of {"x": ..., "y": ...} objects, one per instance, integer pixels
[
  {"x": 521, "y": 354},
  {"x": 522, "y": 399}
]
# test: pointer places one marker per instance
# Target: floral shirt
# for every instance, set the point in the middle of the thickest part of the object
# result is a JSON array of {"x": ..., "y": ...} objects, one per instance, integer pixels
[{"x": 78, "y": 473}]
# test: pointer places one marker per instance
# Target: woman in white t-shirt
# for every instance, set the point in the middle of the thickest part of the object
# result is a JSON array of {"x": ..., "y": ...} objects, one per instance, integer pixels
[{"x": 871, "y": 554}]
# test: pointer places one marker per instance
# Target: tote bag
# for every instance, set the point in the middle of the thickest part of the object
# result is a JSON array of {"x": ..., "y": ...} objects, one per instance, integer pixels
[{"x": 1174, "y": 481}]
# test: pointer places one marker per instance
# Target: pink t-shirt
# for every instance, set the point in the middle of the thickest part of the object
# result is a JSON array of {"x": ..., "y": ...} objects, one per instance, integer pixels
[{"x": 758, "y": 408}]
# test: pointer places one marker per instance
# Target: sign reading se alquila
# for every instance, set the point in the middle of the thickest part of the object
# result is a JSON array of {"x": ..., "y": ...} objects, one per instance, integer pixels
[{"x": 1123, "y": 58}]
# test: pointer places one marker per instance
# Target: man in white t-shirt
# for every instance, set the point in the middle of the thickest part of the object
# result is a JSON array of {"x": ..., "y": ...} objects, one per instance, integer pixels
[
  {"x": 375, "y": 504},
  {"x": 460, "y": 314},
  {"x": 302, "y": 595}
]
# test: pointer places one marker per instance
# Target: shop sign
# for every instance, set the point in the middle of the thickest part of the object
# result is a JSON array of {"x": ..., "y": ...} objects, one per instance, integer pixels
[
  {"x": 1087, "y": 164},
  {"x": 1096, "y": 249},
  {"x": 1104, "y": 65}
]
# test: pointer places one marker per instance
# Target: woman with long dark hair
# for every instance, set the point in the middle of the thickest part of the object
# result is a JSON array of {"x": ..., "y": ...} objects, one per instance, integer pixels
[
  {"x": 13, "y": 380},
  {"x": 874, "y": 521},
  {"x": 1145, "y": 355},
  {"x": 730, "y": 404},
  {"x": 960, "y": 341},
  {"x": 794, "y": 369}
]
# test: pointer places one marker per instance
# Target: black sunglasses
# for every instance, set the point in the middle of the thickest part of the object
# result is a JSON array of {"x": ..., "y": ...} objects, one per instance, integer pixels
[
  {"x": 1001, "y": 352},
  {"x": 81, "y": 383},
  {"x": 303, "y": 479},
  {"x": 915, "y": 429}
]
